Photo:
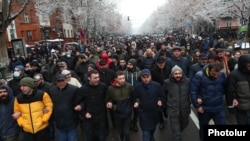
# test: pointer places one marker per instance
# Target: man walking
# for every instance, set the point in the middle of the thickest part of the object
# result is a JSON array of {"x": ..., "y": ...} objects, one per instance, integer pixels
[
  {"x": 9, "y": 129},
  {"x": 119, "y": 100},
  {"x": 207, "y": 94},
  {"x": 32, "y": 109},
  {"x": 238, "y": 94},
  {"x": 178, "y": 103},
  {"x": 93, "y": 95},
  {"x": 148, "y": 96},
  {"x": 65, "y": 117}
]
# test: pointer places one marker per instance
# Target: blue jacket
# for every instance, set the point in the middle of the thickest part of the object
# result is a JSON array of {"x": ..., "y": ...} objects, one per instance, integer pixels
[
  {"x": 8, "y": 126},
  {"x": 211, "y": 91},
  {"x": 148, "y": 96}
]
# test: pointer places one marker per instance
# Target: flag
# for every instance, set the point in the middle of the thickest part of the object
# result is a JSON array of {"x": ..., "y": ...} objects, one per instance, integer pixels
[{"x": 82, "y": 35}]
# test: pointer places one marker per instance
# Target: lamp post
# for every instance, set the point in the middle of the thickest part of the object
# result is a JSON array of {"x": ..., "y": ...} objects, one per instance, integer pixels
[
  {"x": 59, "y": 37},
  {"x": 46, "y": 34}
]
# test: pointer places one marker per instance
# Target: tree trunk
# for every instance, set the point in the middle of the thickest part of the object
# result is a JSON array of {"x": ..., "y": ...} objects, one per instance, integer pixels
[{"x": 3, "y": 50}]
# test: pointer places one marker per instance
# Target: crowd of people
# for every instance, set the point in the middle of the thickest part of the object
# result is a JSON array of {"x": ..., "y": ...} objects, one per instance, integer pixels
[{"x": 136, "y": 82}]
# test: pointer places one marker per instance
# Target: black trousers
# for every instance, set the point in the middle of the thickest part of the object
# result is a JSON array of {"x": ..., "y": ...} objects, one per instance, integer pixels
[{"x": 43, "y": 135}]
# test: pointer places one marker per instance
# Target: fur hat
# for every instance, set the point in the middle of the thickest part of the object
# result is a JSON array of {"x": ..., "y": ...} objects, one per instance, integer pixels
[{"x": 27, "y": 81}]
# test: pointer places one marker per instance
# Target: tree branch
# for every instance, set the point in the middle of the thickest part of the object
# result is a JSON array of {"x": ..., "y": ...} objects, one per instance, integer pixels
[{"x": 19, "y": 12}]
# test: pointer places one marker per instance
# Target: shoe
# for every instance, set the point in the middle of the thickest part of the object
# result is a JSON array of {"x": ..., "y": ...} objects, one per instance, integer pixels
[
  {"x": 135, "y": 128},
  {"x": 161, "y": 126}
]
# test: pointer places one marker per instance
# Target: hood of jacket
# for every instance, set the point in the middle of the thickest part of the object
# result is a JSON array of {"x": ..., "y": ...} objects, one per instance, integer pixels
[
  {"x": 242, "y": 63},
  {"x": 10, "y": 93}
]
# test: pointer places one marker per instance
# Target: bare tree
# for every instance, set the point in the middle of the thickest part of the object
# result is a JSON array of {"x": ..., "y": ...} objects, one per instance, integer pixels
[{"x": 7, "y": 15}]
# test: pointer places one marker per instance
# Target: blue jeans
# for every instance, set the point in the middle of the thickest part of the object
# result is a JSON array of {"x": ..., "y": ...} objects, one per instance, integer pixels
[
  {"x": 96, "y": 129},
  {"x": 70, "y": 135},
  {"x": 243, "y": 117},
  {"x": 204, "y": 118},
  {"x": 148, "y": 135}
]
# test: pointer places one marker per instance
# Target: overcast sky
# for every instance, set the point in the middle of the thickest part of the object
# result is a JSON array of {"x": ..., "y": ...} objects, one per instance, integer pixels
[{"x": 139, "y": 10}]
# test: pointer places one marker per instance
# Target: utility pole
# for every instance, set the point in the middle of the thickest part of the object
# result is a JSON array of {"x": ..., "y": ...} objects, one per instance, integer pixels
[{"x": 248, "y": 29}]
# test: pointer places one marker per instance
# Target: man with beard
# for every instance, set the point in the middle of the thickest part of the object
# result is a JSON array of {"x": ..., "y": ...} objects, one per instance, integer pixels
[
  {"x": 198, "y": 66},
  {"x": 106, "y": 75},
  {"x": 120, "y": 52},
  {"x": 82, "y": 66},
  {"x": 178, "y": 104},
  {"x": 222, "y": 60},
  {"x": 207, "y": 95},
  {"x": 9, "y": 129},
  {"x": 132, "y": 76}
]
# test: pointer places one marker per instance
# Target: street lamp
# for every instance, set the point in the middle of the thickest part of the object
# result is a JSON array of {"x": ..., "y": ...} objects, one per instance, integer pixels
[
  {"x": 59, "y": 37},
  {"x": 46, "y": 34}
]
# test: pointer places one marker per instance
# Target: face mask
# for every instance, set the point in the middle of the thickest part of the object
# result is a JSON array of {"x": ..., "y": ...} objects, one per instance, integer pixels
[{"x": 16, "y": 74}]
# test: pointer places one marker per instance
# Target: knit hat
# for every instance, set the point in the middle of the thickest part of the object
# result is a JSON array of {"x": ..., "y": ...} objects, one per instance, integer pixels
[
  {"x": 27, "y": 81},
  {"x": 176, "y": 68},
  {"x": 20, "y": 67},
  {"x": 133, "y": 62}
]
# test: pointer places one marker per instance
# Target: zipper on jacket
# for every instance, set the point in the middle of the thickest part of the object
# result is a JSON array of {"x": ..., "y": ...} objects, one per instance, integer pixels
[{"x": 31, "y": 119}]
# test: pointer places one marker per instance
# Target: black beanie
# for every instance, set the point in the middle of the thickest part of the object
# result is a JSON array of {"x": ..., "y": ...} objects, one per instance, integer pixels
[{"x": 133, "y": 62}]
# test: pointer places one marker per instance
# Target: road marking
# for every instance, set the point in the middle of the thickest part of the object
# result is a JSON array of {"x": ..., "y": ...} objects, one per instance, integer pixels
[{"x": 195, "y": 119}]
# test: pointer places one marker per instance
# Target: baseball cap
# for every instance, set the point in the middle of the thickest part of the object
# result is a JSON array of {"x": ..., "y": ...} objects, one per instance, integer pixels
[
  {"x": 203, "y": 56},
  {"x": 145, "y": 72},
  {"x": 62, "y": 64},
  {"x": 60, "y": 77},
  {"x": 176, "y": 48}
]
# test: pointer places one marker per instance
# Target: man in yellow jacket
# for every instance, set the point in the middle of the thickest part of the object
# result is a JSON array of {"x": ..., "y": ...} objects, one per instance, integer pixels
[{"x": 32, "y": 109}]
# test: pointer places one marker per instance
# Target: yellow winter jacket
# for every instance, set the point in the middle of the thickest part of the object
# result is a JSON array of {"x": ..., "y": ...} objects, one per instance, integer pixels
[{"x": 33, "y": 119}]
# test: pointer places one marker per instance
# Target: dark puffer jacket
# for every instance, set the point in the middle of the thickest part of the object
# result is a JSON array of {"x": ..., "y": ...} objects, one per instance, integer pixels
[
  {"x": 210, "y": 90},
  {"x": 238, "y": 84},
  {"x": 8, "y": 126}
]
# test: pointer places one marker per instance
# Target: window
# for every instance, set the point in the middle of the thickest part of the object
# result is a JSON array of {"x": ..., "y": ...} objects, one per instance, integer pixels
[
  {"x": 228, "y": 23},
  {"x": 12, "y": 34},
  {"x": 26, "y": 18},
  {"x": 29, "y": 35},
  {"x": 72, "y": 34}
]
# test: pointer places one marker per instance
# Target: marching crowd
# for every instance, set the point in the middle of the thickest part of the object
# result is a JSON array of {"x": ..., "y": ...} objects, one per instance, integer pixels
[{"x": 133, "y": 81}]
